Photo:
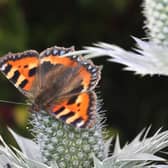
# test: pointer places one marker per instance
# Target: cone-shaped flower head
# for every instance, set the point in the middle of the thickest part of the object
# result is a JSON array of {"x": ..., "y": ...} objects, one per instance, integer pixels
[
  {"x": 156, "y": 13},
  {"x": 68, "y": 146}
]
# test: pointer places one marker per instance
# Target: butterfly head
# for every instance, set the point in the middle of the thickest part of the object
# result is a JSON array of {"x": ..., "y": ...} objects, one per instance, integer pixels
[{"x": 34, "y": 108}]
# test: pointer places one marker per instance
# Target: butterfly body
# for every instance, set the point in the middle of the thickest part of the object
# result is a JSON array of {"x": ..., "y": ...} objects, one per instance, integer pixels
[{"x": 63, "y": 86}]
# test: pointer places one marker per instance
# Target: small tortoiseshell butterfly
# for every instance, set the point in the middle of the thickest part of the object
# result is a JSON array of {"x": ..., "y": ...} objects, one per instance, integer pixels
[{"x": 61, "y": 85}]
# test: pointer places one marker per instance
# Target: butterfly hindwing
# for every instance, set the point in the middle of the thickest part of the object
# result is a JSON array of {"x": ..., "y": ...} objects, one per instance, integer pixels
[
  {"x": 78, "y": 110},
  {"x": 20, "y": 69}
]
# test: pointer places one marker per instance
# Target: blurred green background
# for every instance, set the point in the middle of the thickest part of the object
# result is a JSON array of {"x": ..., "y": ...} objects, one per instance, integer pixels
[{"x": 130, "y": 102}]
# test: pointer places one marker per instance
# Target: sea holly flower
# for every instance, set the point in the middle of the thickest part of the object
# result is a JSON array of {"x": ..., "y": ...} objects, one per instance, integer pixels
[
  {"x": 67, "y": 145},
  {"x": 60, "y": 145},
  {"x": 137, "y": 154}
]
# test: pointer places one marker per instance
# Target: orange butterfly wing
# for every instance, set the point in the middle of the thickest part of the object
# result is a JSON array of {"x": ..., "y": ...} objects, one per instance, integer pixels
[
  {"x": 89, "y": 73},
  {"x": 20, "y": 69},
  {"x": 78, "y": 110}
]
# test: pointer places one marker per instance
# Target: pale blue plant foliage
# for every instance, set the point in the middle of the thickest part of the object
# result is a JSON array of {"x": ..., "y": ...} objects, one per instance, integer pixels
[
  {"x": 29, "y": 157},
  {"x": 137, "y": 154},
  {"x": 147, "y": 58}
]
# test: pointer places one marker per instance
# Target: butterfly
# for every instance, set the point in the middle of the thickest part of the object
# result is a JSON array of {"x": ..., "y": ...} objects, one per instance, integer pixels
[{"x": 61, "y": 85}]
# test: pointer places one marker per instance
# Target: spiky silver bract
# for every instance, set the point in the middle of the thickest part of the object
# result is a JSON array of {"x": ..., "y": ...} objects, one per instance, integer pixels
[
  {"x": 148, "y": 58},
  {"x": 28, "y": 158},
  {"x": 137, "y": 154}
]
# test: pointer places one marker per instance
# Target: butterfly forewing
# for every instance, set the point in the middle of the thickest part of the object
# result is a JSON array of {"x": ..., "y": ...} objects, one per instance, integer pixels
[
  {"x": 20, "y": 69},
  {"x": 78, "y": 74}
]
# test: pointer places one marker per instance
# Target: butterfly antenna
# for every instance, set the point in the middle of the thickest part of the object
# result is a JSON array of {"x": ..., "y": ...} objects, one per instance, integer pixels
[{"x": 13, "y": 102}]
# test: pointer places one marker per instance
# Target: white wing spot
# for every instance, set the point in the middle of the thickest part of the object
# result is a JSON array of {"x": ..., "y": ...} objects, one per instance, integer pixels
[
  {"x": 3, "y": 67},
  {"x": 80, "y": 124}
]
